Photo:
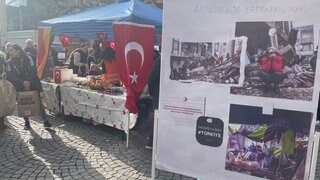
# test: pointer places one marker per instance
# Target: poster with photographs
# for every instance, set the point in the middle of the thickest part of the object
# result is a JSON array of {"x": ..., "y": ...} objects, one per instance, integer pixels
[
  {"x": 211, "y": 62},
  {"x": 267, "y": 146},
  {"x": 252, "y": 66},
  {"x": 282, "y": 59}
]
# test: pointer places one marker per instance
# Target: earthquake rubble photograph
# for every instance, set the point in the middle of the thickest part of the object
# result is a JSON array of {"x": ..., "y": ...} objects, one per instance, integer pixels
[
  {"x": 212, "y": 62},
  {"x": 267, "y": 146},
  {"x": 280, "y": 59}
]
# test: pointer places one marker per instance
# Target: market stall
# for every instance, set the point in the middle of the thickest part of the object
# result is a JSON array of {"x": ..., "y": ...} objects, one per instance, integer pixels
[
  {"x": 99, "y": 105},
  {"x": 94, "y": 103}
]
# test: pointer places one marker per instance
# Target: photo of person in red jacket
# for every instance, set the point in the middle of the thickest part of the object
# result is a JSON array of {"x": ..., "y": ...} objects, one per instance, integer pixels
[{"x": 272, "y": 65}]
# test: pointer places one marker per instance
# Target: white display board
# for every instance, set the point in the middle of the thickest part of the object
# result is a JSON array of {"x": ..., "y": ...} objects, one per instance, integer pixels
[{"x": 218, "y": 116}]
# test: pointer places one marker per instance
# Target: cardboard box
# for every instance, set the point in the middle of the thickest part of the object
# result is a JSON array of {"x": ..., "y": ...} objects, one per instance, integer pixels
[
  {"x": 62, "y": 74},
  {"x": 28, "y": 104}
]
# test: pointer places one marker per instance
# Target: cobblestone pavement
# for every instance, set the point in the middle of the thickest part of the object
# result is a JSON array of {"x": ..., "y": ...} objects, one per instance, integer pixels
[
  {"x": 72, "y": 150},
  {"x": 75, "y": 150}
]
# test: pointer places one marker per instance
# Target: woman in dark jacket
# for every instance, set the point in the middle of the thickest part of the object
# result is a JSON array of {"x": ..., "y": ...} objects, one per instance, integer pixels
[
  {"x": 22, "y": 73},
  {"x": 154, "y": 86},
  {"x": 2, "y": 69}
]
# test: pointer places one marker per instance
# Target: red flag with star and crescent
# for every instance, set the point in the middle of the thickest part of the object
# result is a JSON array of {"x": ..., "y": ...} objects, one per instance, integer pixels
[{"x": 134, "y": 44}]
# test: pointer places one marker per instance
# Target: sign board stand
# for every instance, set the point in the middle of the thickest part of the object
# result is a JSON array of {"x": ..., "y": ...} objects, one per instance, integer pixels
[
  {"x": 235, "y": 107},
  {"x": 154, "y": 149},
  {"x": 313, "y": 163},
  {"x": 154, "y": 145},
  {"x": 314, "y": 158}
]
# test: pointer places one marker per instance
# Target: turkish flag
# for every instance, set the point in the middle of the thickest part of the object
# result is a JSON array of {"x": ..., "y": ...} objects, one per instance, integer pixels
[{"x": 134, "y": 56}]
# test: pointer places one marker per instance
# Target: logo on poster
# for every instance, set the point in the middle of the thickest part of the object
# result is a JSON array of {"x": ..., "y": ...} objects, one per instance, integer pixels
[{"x": 209, "y": 131}]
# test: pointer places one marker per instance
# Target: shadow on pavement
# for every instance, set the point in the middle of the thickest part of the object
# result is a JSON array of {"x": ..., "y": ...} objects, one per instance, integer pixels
[
  {"x": 17, "y": 161},
  {"x": 109, "y": 140},
  {"x": 63, "y": 160}
]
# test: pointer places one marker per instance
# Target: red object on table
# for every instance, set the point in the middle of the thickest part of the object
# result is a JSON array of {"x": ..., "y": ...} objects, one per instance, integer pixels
[{"x": 60, "y": 73}]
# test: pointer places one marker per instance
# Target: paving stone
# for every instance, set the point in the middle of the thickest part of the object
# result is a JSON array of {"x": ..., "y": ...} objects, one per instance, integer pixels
[
  {"x": 77, "y": 177},
  {"x": 142, "y": 178},
  {"x": 73, "y": 151},
  {"x": 41, "y": 178}
]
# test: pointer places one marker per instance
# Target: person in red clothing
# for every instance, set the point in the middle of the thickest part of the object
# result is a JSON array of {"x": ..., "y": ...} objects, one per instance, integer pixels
[{"x": 272, "y": 70}]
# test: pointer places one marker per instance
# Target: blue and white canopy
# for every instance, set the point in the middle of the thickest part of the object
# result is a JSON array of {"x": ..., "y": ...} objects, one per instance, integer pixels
[{"x": 88, "y": 23}]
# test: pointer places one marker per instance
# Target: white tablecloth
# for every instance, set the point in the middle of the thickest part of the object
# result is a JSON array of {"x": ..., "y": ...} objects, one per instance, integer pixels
[
  {"x": 102, "y": 108},
  {"x": 51, "y": 92}
]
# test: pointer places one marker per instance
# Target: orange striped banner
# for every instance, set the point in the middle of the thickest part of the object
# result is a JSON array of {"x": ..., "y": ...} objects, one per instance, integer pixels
[{"x": 44, "y": 38}]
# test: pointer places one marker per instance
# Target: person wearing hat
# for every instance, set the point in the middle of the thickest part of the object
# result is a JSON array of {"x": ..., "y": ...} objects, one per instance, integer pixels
[
  {"x": 30, "y": 50},
  {"x": 272, "y": 65},
  {"x": 5, "y": 49}
]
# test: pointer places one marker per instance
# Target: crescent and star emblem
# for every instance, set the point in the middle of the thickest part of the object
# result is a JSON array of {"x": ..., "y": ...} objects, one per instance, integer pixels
[{"x": 130, "y": 47}]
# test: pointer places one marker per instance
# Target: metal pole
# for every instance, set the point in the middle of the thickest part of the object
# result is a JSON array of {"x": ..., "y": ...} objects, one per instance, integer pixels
[
  {"x": 154, "y": 146},
  {"x": 314, "y": 156},
  {"x": 3, "y": 22},
  {"x": 128, "y": 129},
  {"x": 20, "y": 18}
]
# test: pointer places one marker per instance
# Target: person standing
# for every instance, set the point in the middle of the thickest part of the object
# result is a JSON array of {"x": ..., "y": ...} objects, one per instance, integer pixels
[
  {"x": 272, "y": 70},
  {"x": 30, "y": 50},
  {"x": 2, "y": 69},
  {"x": 78, "y": 60},
  {"x": 93, "y": 64},
  {"x": 5, "y": 51},
  {"x": 154, "y": 87},
  {"x": 154, "y": 82},
  {"x": 50, "y": 64},
  {"x": 91, "y": 57},
  {"x": 22, "y": 73},
  {"x": 4, "y": 45},
  {"x": 109, "y": 67}
]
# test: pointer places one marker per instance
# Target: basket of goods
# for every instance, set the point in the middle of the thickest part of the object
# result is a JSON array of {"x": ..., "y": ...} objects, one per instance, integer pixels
[
  {"x": 83, "y": 83},
  {"x": 95, "y": 85}
]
